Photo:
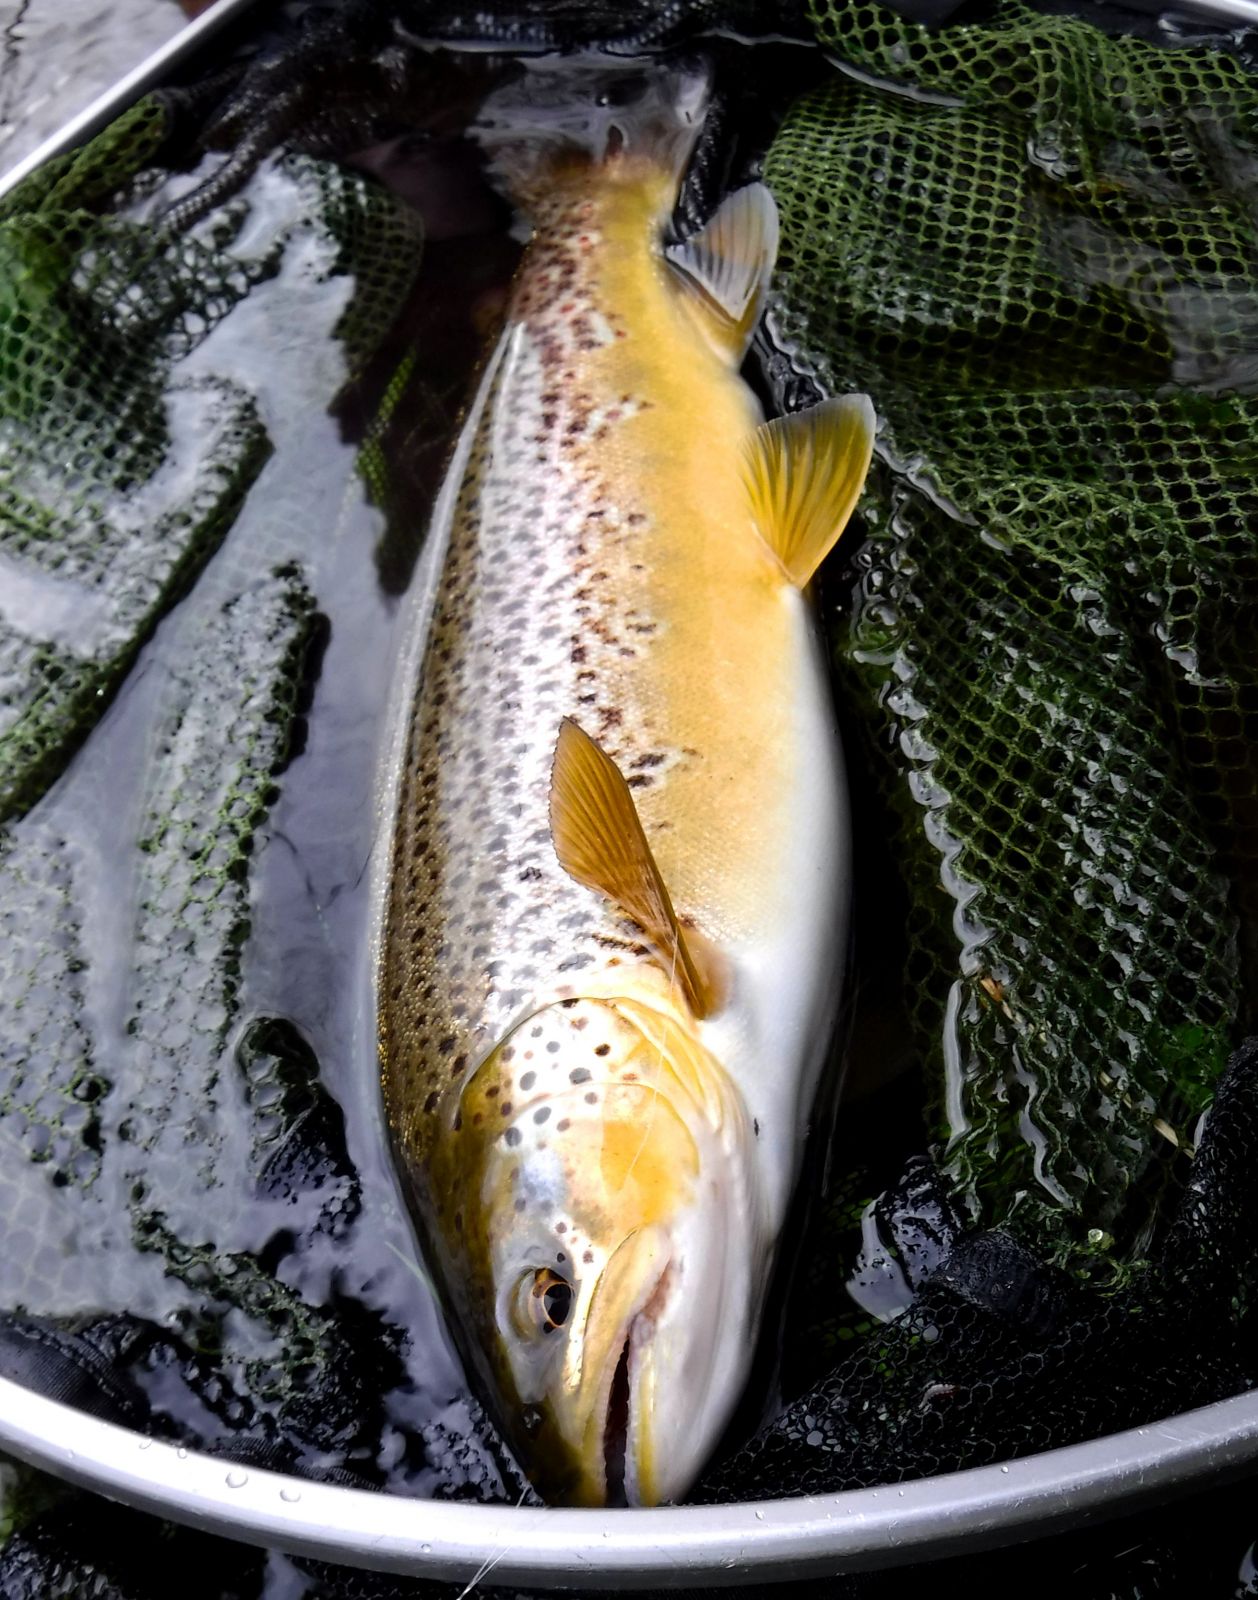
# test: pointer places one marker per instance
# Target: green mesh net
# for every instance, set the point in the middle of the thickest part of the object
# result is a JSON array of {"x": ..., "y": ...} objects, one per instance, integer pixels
[
  {"x": 93, "y": 311},
  {"x": 147, "y": 1110},
  {"x": 1035, "y": 249}
]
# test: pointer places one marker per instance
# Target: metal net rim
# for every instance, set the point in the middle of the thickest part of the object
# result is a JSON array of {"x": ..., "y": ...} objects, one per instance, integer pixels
[{"x": 859, "y": 1530}]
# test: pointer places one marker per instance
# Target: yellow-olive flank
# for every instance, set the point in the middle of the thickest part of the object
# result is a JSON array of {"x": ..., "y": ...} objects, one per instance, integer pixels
[{"x": 616, "y": 904}]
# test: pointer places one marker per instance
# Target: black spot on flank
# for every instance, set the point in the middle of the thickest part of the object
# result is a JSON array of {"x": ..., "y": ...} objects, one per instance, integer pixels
[
  {"x": 553, "y": 1047},
  {"x": 591, "y": 1099},
  {"x": 588, "y": 1257},
  {"x": 542, "y": 1115},
  {"x": 521, "y": 1204},
  {"x": 562, "y": 1125},
  {"x": 568, "y": 1004},
  {"x": 560, "y": 1256},
  {"x": 430, "y": 1105},
  {"x": 579, "y": 1075},
  {"x": 528, "y": 1080},
  {"x": 602, "y": 1050},
  {"x": 561, "y": 1227},
  {"x": 512, "y": 1136},
  {"x": 755, "y": 1126}
]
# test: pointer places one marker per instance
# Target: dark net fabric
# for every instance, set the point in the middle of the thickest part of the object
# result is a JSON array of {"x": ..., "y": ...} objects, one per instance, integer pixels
[
  {"x": 1046, "y": 284},
  {"x": 1033, "y": 244}
]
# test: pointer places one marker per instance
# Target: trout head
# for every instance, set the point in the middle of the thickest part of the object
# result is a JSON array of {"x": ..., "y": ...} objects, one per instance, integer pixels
[{"x": 606, "y": 1251}]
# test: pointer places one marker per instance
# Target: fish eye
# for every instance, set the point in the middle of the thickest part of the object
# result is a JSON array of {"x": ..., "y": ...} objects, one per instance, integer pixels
[{"x": 544, "y": 1301}]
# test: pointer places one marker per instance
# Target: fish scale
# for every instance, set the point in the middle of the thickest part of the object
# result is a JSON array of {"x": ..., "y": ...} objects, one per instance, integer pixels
[{"x": 528, "y": 628}]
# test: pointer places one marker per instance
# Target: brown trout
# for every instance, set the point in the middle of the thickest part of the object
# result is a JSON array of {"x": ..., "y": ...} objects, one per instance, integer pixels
[{"x": 616, "y": 902}]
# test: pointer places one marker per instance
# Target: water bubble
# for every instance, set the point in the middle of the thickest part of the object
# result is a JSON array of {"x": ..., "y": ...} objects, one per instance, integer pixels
[
  {"x": 146, "y": 1444},
  {"x": 1004, "y": 1469},
  {"x": 237, "y": 1479},
  {"x": 759, "y": 1516},
  {"x": 290, "y": 1494},
  {"x": 182, "y": 1453}
]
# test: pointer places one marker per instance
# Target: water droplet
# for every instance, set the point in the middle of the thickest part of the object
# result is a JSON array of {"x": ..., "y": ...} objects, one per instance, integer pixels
[
  {"x": 237, "y": 1479},
  {"x": 1004, "y": 1469},
  {"x": 759, "y": 1516},
  {"x": 290, "y": 1494},
  {"x": 146, "y": 1444},
  {"x": 182, "y": 1453},
  {"x": 425, "y": 1549}
]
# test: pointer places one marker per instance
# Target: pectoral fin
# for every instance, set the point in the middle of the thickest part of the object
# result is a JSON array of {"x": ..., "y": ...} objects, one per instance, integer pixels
[
  {"x": 804, "y": 474},
  {"x": 726, "y": 266},
  {"x": 599, "y": 841}
]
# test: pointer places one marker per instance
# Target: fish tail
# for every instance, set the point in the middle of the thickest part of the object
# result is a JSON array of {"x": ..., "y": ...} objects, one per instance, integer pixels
[{"x": 623, "y": 119}]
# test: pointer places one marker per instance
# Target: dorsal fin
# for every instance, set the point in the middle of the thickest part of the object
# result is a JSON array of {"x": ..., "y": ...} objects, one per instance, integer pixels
[
  {"x": 804, "y": 474},
  {"x": 599, "y": 840},
  {"x": 726, "y": 265}
]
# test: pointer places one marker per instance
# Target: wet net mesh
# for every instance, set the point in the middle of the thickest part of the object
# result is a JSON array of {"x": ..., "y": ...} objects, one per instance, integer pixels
[
  {"x": 168, "y": 1151},
  {"x": 1048, "y": 288},
  {"x": 1033, "y": 244}
]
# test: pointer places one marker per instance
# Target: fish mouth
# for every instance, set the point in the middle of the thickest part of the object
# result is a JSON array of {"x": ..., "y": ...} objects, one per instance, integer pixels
[
  {"x": 616, "y": 1431},
  {"x": 626, "y": 1429},
  {"x": 603, "y": 1403}
]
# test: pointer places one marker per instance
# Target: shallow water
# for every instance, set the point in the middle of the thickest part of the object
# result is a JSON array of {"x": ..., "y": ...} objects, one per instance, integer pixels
[{"x": 179, "y": 1135}]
